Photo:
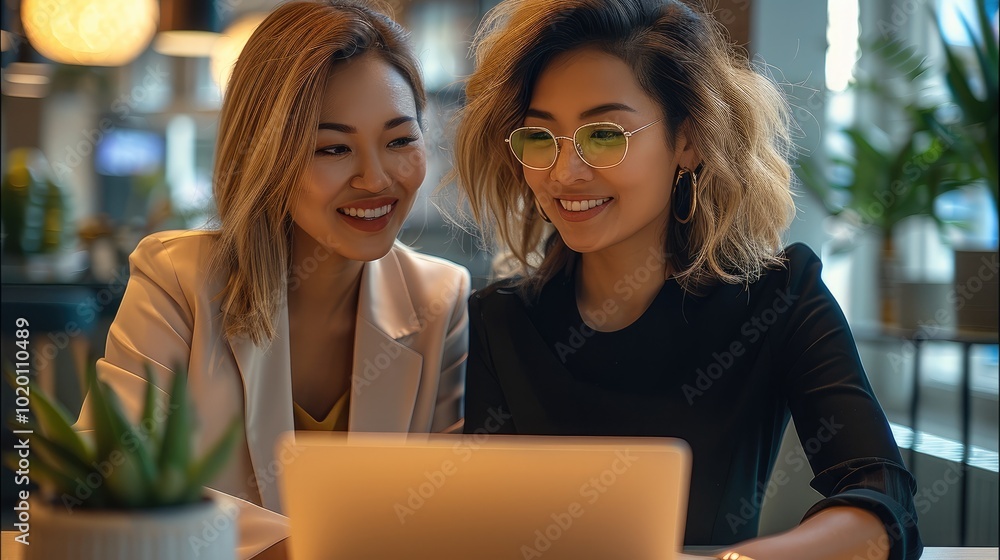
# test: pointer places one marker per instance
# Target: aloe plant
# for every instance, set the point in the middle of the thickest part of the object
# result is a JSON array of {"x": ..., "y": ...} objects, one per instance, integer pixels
[{"x": 122, "y": 466}]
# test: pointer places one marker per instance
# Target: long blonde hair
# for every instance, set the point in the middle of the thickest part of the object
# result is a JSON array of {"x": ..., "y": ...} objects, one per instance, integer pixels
[
  {"x": 736, "y": 119},
  {"x": 267, "y": 130}
]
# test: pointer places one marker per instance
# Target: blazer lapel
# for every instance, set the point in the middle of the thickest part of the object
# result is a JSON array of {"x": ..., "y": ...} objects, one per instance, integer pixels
[
  {"x": 385, "y": 377},
  {"x": 386, "y": 372},
  {"x": 267, "y": 383}
]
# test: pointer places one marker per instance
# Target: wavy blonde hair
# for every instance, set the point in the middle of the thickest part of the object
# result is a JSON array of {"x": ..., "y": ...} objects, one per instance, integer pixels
[
  {"x": 737, "y": 120},
  {"x": 267, "y": 130}
]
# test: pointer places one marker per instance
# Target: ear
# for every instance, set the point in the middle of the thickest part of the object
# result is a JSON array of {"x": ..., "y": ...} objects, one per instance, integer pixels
[{"x": 685, "y": 151}]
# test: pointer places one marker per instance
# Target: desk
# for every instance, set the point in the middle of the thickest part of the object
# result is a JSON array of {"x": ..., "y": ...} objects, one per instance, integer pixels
[{"x": 12, "y": 550}]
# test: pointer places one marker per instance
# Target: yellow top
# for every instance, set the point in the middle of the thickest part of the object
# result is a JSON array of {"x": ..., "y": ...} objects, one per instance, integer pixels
[{"x": 336, "y": 419}]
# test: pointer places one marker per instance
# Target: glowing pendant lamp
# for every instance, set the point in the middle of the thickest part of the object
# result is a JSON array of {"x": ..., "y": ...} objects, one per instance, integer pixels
[{"x": 90, "y": 32}]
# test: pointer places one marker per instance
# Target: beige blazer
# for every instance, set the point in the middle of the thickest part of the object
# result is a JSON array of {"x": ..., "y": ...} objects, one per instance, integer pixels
[{"x": 409, "y": 353}]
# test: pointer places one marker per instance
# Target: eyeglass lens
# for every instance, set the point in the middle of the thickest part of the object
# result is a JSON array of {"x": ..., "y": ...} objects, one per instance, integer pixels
[{"x": 601, "y": 145}]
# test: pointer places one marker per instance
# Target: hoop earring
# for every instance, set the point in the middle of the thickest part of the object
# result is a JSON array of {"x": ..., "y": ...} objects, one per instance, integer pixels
[
  {"x": 541, "y": 212},
  {"x": 686, "y": 187}
]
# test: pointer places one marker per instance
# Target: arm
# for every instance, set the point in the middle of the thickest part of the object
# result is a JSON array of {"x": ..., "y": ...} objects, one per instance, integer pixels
[
  {"x": 868, "y": 507},
  {"x": 153, "y": 326},
  {"x": 486, "y": 409},
  {"x": 831, "y": 534}
]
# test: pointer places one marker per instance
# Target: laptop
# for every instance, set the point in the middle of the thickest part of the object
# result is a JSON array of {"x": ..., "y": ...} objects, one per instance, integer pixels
[{"x": 462, "y": 497}]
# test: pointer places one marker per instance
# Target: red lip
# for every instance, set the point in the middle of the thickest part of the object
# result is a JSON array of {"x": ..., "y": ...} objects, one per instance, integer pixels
[
  {"x": 370, "y": 225},
  {"x": 571, "y": 216}
]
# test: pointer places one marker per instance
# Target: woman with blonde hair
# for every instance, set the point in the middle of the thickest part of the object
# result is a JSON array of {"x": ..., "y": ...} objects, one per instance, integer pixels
[
  {"x": 635, "y": 166},
  {"x": 302, "y": 311}
]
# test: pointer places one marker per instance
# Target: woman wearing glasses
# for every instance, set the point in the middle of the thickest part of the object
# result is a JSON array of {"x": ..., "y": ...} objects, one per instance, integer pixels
[{"x": 635, "y": 167}]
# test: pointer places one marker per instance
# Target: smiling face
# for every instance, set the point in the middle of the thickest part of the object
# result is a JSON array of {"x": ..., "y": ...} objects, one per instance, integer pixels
[
  {"x": 369, "y": 160},
  {"x": 620, "y": 206}
]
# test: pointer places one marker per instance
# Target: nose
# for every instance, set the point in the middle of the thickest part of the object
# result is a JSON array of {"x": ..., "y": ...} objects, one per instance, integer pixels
[
  {"x": 569, "y": 167},
  {"x": 372, "y": 176}
]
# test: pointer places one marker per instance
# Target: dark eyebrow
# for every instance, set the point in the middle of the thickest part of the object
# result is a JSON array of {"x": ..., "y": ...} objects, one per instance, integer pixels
[
  {"x": 605, "y": 108},
  {"x": 348, "y": 129},
  {"x": 393, "y": 123},
  {"x": 337, "y": 127}
]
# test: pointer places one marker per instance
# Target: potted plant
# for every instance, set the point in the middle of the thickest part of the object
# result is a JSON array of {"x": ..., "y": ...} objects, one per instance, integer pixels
[
  {"x": 878, "y": 186},
  {"x": 127, "y": 491},
  {"x": 888, "y": 178}
]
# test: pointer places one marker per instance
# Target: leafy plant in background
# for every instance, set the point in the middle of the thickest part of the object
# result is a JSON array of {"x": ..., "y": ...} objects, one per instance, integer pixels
[
  {"x": 35, "y": 210},
  {"x": 140, "y": 466},
  {"x": 976, "y": 138},
  {"x": 884, "y": 181}
]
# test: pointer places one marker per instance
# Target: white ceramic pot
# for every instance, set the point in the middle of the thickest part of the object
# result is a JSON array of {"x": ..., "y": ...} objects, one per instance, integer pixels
[{"x": 203, "y": 531}]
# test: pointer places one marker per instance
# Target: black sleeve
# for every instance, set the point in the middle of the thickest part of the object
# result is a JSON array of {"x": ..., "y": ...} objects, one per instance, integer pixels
[
  {"x": 840, "y": 423},
  {"x": 486, "y": 409}
]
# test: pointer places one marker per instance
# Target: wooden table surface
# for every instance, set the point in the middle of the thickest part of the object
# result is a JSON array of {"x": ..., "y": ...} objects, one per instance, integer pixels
[{"x": 12, "y": 550}]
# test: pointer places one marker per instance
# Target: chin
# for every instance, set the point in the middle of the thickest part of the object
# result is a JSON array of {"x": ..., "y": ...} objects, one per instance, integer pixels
[{"x": 582, "y": 244}]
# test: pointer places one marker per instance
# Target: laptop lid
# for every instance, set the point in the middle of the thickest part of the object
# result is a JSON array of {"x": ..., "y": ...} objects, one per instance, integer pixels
[{"x": 450, "y": 497}]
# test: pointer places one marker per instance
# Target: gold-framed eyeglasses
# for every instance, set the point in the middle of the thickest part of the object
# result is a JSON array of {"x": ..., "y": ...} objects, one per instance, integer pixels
[{"x": 600, "y": 144}]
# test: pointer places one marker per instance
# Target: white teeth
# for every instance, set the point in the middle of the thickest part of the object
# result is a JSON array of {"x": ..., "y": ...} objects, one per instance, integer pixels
[
  {"x": 582, "y": 205},
  {"x": 368, "y": 214}
]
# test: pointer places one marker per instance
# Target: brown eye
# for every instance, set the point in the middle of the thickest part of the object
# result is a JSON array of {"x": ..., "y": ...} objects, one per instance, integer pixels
[
  {"x": 333, "y": 151},
  {"x": 402, "y": 142}
]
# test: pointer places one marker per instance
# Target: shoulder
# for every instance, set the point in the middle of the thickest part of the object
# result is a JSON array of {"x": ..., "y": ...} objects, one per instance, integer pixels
[
  {"x": 500, "y": 296},
  {"x": 800, "y": 256},
  {"x": 431, "y": 278},
  {"x": 796, "y": 286},
  {"x": 413, "y": 263},
  {"x": 799, "y": 263},
  {"x": 177, "y": 246},
  {"x": 798, "y": 271},
  {"x": 176, "y": 260}
]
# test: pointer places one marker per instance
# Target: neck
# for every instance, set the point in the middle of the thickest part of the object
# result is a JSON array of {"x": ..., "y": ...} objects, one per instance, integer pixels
[
  {"x": 617, "y": 284},
  {"x": 321, "y": 281}
]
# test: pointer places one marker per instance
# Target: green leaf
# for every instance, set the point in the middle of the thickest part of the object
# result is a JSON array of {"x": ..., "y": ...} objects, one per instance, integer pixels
[
  {"x": 175, "y": 450},
  {"x": 989, "y": 49},
  {"x": 201, "y": 473},
  {"x": 958, "y": 83},
  {"x": 126, "y": 481},
  {"x": 58, "y": 458},
  {"x": 56, "y": 481},
  {"x": 53, "y": 420},
  {"x": 148, "y": 426}
]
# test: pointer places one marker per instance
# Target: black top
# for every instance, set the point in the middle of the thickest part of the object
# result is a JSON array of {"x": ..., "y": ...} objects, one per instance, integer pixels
[{"x": 722, "y": 371}]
